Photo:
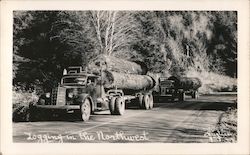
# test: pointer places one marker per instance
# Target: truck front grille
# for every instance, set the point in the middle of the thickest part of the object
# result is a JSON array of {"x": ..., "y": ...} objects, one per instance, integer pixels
[
  {"x": 61, "y": 96},
  {"x": 58, "y": 96},
  {"x": 54, "y": 96}
]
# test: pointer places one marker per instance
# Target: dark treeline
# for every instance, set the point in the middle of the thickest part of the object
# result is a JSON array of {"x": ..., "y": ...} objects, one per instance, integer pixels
[{"x": 169, "y": 42}]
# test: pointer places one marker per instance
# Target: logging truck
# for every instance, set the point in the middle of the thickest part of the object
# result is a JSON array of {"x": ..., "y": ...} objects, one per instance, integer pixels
[
  {"x": 177, "y": 88},
  {"x": 84, "y": 93}
]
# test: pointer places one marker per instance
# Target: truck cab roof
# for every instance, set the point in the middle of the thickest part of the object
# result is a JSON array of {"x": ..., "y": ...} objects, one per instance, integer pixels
[
  {"x": 77, "y": 71},
  {"x": 75, "y": 76}
]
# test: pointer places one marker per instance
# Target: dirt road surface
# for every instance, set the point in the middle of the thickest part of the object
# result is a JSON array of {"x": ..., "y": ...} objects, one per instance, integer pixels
[{"x": 168, "y": 122}]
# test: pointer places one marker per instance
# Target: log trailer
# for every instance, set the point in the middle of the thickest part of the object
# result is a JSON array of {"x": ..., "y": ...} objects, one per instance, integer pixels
[
  {"x": 80, "y": 91},
  {"x": 177, "y": 88}
]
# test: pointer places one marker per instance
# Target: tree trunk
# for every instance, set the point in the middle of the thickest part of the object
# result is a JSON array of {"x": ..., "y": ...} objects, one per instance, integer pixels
[{"x": 127, "y": 81}]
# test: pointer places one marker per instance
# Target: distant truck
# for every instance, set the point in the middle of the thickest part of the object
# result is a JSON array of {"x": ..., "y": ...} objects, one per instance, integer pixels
[
  {"x": 84, "y": 93},
  {"x": 177, "y": 88}
]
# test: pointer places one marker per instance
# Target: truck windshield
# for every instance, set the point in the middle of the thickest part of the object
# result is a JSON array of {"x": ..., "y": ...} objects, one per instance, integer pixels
[
  {"x": 163, "y": 79},
  {"x": 74, "y": 80},
  {"x": 164, "y": 82}
]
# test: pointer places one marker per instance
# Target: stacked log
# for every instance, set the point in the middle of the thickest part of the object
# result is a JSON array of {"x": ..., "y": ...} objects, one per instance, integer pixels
[
  {"x": 121, "y": 74},
  {"x": 186, "y": 83},
  {"x": 126, "y": 81},
  {"x": 113, "y": 64}
]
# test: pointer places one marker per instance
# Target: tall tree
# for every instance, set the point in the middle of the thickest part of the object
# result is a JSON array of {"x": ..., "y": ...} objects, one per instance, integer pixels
[
  {"x": 114, "y": 30},
  {"x": 52, "y": 40}
]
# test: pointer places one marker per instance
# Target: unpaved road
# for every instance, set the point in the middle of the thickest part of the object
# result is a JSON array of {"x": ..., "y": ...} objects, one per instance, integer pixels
[{"x": 169, "y": 122}]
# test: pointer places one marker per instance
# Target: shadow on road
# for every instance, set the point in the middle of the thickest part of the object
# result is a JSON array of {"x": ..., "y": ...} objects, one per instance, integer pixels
[
  {"x": 223, "y": 106},
  {"x": 203, "y": 105}
]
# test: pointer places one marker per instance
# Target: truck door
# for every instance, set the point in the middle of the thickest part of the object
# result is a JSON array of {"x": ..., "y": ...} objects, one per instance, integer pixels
[{"x": 91, "y": 88}]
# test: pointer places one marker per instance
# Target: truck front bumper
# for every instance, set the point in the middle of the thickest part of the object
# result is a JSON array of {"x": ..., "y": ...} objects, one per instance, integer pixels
[{"x": 54, "y": 108}]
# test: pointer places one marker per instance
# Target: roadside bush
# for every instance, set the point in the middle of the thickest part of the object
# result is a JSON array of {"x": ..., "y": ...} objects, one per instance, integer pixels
[
  {"x": 213, "y": 82},
  {"x": 21, "y": 100}
]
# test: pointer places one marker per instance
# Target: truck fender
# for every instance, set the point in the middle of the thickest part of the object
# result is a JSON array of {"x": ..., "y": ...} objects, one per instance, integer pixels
[{"x": 83, "y": 97}]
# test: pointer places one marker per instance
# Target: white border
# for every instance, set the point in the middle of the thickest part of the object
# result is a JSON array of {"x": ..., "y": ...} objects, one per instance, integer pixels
[{"x": 241, "y": 147}]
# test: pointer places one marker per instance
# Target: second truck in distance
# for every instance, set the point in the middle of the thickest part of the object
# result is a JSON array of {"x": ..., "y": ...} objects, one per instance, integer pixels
[{"x": 177, "y": 88}]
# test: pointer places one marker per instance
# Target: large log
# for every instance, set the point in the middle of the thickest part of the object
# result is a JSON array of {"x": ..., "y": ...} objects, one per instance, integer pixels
[
  {"x": 186, "y": 83},
  {"x": 127, "y": 82},
  {"x": 114, "y": 64}
]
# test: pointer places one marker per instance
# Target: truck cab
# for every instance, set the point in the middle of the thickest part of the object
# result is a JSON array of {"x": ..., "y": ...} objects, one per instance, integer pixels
[
  {"x": 77, "y": 91},
  {"x": 166, "y": 89},
  {"x": 177, "y": 87}
]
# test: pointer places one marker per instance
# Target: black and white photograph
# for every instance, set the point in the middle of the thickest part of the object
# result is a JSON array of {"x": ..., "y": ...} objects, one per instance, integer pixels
[
  {"x": 125, "y": 76},
  {"x": 155, "y": 76}
]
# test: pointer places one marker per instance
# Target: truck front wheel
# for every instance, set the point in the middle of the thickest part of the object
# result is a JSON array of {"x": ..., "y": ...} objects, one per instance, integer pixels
[
  {"x": 85, "y": 110},
  {"x": 112, "y": 105},
  {"x": 119, "y": 106},
  {"x": 140, "y": 101}
]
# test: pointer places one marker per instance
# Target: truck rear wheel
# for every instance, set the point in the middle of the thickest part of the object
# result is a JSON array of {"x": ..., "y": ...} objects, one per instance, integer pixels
[
  {"x": 151, "y": 101},
  {"x": 195, "y": 94},
  {"x": 174, "y": 95},
  {"x": 85, "y": 110},
  {"x": 119, "y": 106},
  {"x": 146, "y": 102},
  {"x": 182, "y": 96},
  {"x": 112, "y": 105},
  {"x": 140, "y": 101}
]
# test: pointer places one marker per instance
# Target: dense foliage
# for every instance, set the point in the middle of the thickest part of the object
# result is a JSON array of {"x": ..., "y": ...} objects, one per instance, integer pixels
[{"x": 169, "y": 42}]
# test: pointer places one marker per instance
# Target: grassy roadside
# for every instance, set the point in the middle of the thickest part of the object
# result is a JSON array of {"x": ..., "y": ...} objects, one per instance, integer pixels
[
  {"x": 226, "y": 129},
  {"x": 21, "y": 101}
]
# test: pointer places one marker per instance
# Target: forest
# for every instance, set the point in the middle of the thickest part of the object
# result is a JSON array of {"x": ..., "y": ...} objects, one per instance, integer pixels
[{"x": 189, "y": 43}]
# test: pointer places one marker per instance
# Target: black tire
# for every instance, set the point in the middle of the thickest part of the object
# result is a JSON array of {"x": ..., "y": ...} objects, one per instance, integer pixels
[
  {"x": 182, "y": 96},
  {"x": 151, "y": 101},
  {"x": 119, "y": 106},
  {"x": 112, "y": 105},
  {"x": 174, "y": 96},
  {"x": 156, "y": 99},
  {"x": 140, "y": 101},
  {"x": 195, "y": 95},
  {"x": 85, "y": 110},
  {"x": 145, "y": 102}
]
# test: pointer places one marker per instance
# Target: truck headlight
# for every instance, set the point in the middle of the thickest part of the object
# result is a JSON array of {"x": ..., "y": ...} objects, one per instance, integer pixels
[
  {"x": 47, "y": 95},
  {"x": 41, "y": 102},
  {"x": 70, "y": 95}
]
